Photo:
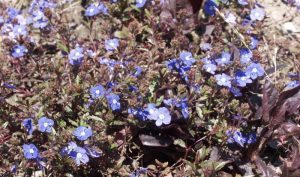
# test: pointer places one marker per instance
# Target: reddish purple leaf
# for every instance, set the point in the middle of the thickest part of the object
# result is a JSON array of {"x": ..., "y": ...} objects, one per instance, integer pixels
[{"x": 270, "y": 97}]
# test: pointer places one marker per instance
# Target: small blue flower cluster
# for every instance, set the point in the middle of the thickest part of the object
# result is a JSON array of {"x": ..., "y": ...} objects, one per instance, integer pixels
[
  {"x": 44, "y": 124},
  {"x": 30, "y": 150},
  {"x": 159, "y": 115},
  {"x": 182, "y": 65},
  {"x": 80, "y": 154},
  {"x": 113, "y": 99},
  {"x": 95, "y": 9},
  {"x": 295, "y": 3},
  {"x": 242, "y": 139},
  {"x": 250, "y": 72}
]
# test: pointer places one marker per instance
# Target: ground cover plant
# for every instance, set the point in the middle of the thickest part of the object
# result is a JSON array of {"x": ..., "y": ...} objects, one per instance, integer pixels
[{"x": 145, "y": 88}]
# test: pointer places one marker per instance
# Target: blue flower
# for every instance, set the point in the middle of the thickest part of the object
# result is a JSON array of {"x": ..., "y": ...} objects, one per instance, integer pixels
[
  {"x": 97, "y": 91},
  {"x": 207, "y": 61},
  {"x": 210, "y": 68},
  {"x": 1, "y": 20},
  {"x": 140, "y": 3},
  {"x": 91, "y": 53},
  {"x": 28, "y": 124},
  {"x": 111, "y": 85},
  {"x": 239, "y": 138},
  {"x": 245, "y": 55},
  {"x": 68, "y": 149},
  {"x": 9, "y": 86},
  {"x": 173, "y": 64},
  {"x": 242, "y": 79},
  {"x": 138, "y": 71},
  {"x": 139, "y": 113},
  {"x": 82, "y": 133},
  {"x": 183, "y": 105},
  {"x": 41, "y": 4},
  {"x": 76, "y": 56},
  {"x": 230, "y": 18},
  {"x": 111, "y": 44},
  {"x": 254, "y": 70},
  {"x": 223, "y": 80},
  {"x": 170, "y": 102},
  {"x": 133, "y": 88},
  {"x": 39, "y": 19},
  {"x": 114, "y": 101},
  {"x": 103, "y": 9},
  {"x": 19, "y": 51},
  {"x": 92, "y": 152},
  {"x": 180, "y": 67},
  {"x": 242, "y": 139},
  {"x": 235, "y": 91},
  {"x": 257, "y": 14},
  {"x": 13, "y": 169},
  {"x": 79, "y": 155},
  {"x": 187, "y": 58},
  {"x": 292, "y": 84},
  {"x": 12, "y": 13},
  {"x": 254, "y": 42},
  {"x": 183, "y": 73},
  {"x": 161, "y": 116},
  {"x": 45, "y": 124},
  {"x": 251, "y": 138},
  {"x": 109, "y": 63},
  {"x": 243, "y": 2},
  {"x": 209, "y": 7},
  {"x": 151, "y": 107},
  {"x": 205, "y": 46},
  {"x": 224, "y": 58},
  {"x": 138, "y": 172},
  {"x": 30, "y": 151},
  {"x": 92, "y": 10},
  {"x": 20, "y": 30}
]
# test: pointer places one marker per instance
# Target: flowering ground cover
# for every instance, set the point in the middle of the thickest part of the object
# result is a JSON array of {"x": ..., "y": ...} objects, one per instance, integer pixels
[{"x": 147, "y": 88}]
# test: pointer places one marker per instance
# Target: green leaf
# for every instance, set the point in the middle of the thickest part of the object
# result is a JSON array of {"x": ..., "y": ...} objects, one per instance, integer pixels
[
  {"x": 73, "y": 122},
  {"x": 199, "y": 111},
  {"x": 78, "y": 80},
  {"x": 62, "y": 123},
  {"x": 13, "y": 100},
  {"x": 159, "y": 100},
  {"x": 180, "y": 143},
  {"x": 117, "y": 122},
  {"x": 202, "y": 153},
  {"x": 152, "y": 88},
  {"x": 148, "y": 14},
  {"x": 135, "y": 8},
  {"x": 220, "y": 165},
  {"x": 120, "y": 162},
  {"x": 148, "y": 29},
  {"x": 62, "y": 47},
  {"x": 96, "y": 118},
  {"x": 122, "y": 34}
]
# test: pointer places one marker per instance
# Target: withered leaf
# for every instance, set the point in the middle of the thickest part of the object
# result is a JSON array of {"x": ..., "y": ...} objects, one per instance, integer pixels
[
  {"x": 168, "y": 10},
  {"x": 278, "y": 116},
  {"x": 287, "y": 93},
  {"x": 266, "y": 171},
  {"x": 293, "y": 103},
  {"x": 287, "y": 129},
  {"x": 289, "y": 106},
  {"x": 270, "y": 97},
  {"x": 296, "y": 158},
  {"x": 291, "y": 167}
]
